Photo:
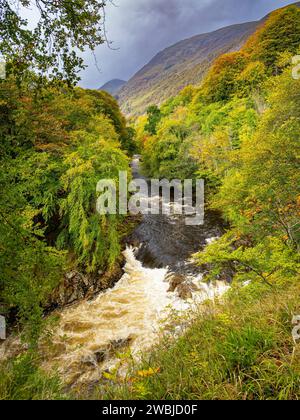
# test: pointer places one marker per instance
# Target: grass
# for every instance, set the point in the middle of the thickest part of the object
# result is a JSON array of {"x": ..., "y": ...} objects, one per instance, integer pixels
[
  {"x": 22, "y": 379},
  {"x": 239, "y": 349}
]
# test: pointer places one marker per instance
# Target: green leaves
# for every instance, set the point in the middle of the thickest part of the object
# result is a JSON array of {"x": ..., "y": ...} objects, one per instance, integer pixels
[
  {"x": 63, "y": 28},
  {"x": 56, "y": 145},
  {"x": 154, "y": 117},
  {"x": 94, "y": 239},
  {"x": 259, "y": 193},
  {"x": 270, "y": 261}
]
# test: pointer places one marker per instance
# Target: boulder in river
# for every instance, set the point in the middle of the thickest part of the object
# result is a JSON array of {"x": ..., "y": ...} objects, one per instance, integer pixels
[
  {"x": 185, "y": 290},
  {"x": 179, "y": 283},
  {"x": 175, "y": 281},
  {"x": 99, "y": 356},
  {"x": 76, "y": 286}
]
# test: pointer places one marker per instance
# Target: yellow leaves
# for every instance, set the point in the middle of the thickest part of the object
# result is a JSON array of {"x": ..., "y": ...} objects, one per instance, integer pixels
[
  {"x": 287, "y": 209},
  {"x": 124, "y": 356},
  {"x": 109, "y": 376},
  {"x": 29, "y": 213},
  {"x": 250, "y": 214},
  {"x": 224, "y": 319},
  {"x": 141, "y": 391},
  {"x": 136, "y": 380},
  {"x": 212, "y": 151},
  {"x": 180, "y": 114},
  {"x": 148, "y": 372}
]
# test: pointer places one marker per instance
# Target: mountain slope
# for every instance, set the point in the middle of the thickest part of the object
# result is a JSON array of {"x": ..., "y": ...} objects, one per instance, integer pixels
[
  {"x": 180, "y": 65},
  {"x": 113, "y": 86}
]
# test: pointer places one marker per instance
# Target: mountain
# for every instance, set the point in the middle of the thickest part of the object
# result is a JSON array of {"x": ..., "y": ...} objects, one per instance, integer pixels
[
  {"x": 180, "y": 65},
  {"x": 113, "y": 86}
]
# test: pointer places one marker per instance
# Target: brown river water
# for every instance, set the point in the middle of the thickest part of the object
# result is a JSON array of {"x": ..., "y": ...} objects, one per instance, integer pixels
[{"x": 91, "y": 335}]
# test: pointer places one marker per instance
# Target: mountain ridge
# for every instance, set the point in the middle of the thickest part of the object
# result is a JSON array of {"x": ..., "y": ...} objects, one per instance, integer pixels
[{"x": 183, "y": 63}]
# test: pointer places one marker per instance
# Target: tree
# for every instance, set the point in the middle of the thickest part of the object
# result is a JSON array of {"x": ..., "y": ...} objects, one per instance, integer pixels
[
  {"x": 63, "y": 29},
  {"x": 260, "y": 196},
  {"x": 220, "y": 83},
  {"x": 54, "y": 149},
  {"x": 154, "y": 117},
  {"x": 280, "y": 33}
]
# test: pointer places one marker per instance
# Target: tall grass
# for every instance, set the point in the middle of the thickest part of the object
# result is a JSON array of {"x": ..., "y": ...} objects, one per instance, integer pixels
[
  {"x": 22, "y": 379},
  {"x": 239, "y": 349}
]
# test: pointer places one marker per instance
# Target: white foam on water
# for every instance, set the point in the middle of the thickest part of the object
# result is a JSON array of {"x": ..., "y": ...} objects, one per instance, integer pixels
[{"x": 134, "y": 309}]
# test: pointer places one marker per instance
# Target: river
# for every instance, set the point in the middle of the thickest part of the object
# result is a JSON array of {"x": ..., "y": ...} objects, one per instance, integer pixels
[{"x": 90, "y": 335}]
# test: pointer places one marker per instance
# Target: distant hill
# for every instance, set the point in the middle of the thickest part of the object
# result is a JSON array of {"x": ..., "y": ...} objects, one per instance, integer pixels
[
  {"x": 113, "y": 86},
  {"x": 180, "y": 65}
]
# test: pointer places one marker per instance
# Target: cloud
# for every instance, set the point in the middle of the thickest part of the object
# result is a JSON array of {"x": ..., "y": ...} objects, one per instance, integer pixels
[{"x": 138, "y": 29}]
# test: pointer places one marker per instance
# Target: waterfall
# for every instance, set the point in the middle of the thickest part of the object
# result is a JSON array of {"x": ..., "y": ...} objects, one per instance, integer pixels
[{"x": 90, "y": 335}]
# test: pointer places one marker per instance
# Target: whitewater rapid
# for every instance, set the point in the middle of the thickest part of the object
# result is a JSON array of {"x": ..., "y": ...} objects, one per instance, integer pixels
[{"x": 91, "y": 335}]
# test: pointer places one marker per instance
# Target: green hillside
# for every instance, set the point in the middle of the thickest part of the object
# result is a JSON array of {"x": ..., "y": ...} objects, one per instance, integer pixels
[{"x": 239, "y": 130}]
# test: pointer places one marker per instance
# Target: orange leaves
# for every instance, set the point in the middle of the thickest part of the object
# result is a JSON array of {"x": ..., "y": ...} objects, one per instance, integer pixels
[
  {"x": 220, "y": 82},
  {"x": 279, "y": 33},
  {"x": 149, "y": 372},
  {"x": 228, "y": 60}
]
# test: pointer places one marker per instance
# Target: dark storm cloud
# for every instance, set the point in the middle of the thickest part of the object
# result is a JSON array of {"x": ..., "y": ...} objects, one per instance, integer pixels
[{"x": 138, "y": 29}]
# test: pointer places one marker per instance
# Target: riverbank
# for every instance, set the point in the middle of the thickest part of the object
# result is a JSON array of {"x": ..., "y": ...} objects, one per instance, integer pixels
[
  {"x": 91, "y": 330},
  {"x": 242, "y": 349},
  {"x": 76, "y": 285}
]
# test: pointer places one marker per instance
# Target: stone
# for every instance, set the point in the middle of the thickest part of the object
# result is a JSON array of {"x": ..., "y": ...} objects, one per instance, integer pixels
[
  {"x": 89, "y": 360},
  {"x": 185, "y": 290},
  {"x": 119, "y": 344},
  {"x": 175, "y": 281},
  {"x": 100, "y": 356}
]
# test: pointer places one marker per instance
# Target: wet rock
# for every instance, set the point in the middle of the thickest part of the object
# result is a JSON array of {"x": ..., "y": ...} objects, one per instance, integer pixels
[
  {"x": 101, "y": 356},
  {"x": 76, "y": 286},
  {"x": 119, "y": 344},
  {"x": 69, "y": 276},
  {"x": 89, "y": 360},
  {"x": 185, "y": 290},
  {"x": 226, "y": 275},
  {"x": 72, "y": 288},
  {"x": 179, "y": 283},
  {"x": 96, "y": 358},
  {"x": 175, "y": 281}
]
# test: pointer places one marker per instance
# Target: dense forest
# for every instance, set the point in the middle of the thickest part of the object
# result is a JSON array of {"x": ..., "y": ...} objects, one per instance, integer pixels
[
  {"x": 239, "y": 131},
  {"x": 57, "y": 142}
]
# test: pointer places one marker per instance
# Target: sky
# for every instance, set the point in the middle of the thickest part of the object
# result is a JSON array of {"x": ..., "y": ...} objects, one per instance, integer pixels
[{"x": 139, "y": 29}]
